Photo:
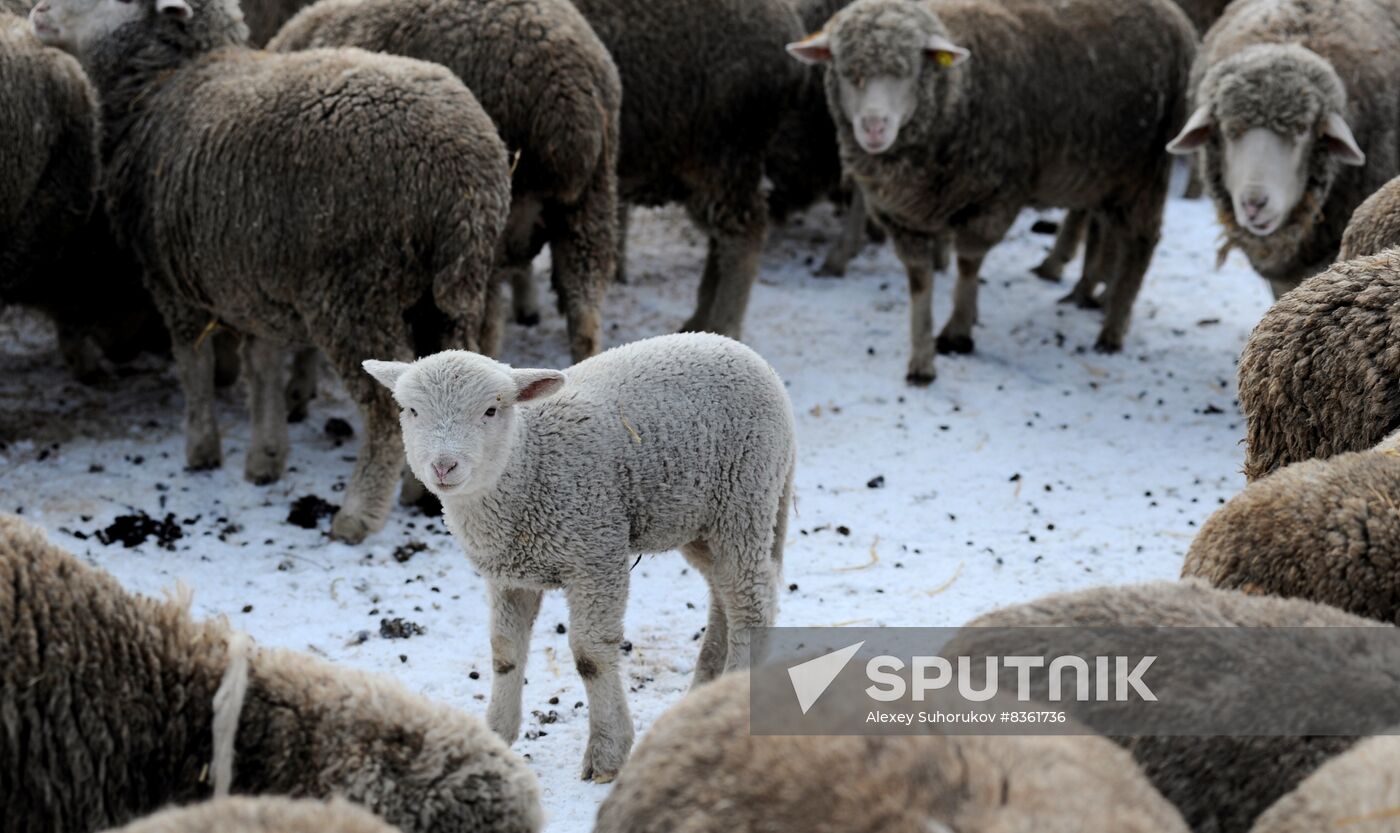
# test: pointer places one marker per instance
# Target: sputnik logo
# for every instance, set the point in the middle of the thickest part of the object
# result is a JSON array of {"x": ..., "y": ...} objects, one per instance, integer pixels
[{"x": 811, "y": 679}]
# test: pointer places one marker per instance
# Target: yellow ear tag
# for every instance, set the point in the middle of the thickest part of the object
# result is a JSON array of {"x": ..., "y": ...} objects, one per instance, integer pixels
[{"x": 944, "y": 59}]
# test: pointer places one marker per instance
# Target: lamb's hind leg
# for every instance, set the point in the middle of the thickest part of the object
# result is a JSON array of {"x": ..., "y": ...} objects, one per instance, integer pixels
[
  {"x": 513, "y": 613},
  {"x": 746, "y": 578},
  {"x": 262, "y": 369},
  {"x": 596, "y": 610},
  {"x": 715, "y": 648}
]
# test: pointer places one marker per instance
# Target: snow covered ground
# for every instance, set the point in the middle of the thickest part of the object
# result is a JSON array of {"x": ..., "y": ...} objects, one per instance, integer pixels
[{"x": 1033, "y": 466}]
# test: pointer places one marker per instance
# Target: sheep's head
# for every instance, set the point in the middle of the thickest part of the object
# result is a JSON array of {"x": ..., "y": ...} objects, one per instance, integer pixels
[
  {"x": 77, "y": 25},
  {"x": 1270, "y": 122},
  {"x": 879, "y": 51},
  {"x": 459, "y": 415}
]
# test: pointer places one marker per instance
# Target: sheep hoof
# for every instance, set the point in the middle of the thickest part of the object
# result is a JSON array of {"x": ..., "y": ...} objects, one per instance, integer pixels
[
  {"x": 947, "y": 344},
  {"x": 1046, "y": 272},
  {"x": 297, "y": 413},
  {"x": 264, "y": 467},
  {"x": 1108, "y": 344},
  {"x": 349, "y": 529},
  {"x": 204, "y": 457},
  {"x": 920, "y": 378},
  {"x": 527, "y": 319}
]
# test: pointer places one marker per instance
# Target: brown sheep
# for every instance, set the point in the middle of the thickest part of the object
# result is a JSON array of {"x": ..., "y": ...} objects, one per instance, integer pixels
[{"x": 1375, "y": 225}]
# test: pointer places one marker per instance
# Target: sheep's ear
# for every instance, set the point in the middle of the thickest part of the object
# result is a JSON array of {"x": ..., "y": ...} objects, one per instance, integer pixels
[
  {"x": 387, "y": 373},
  {"x": 178, "y": 9},
  {"x": 1340, "y": 142},
  {"x": 536, "y": 384},
  {"x": 813, "y": 49},
  {"x": 944, "y": 52},
  {"x": 1198, "y": 128}
]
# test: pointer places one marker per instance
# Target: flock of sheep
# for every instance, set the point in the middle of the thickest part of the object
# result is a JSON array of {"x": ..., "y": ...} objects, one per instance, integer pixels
[{"x": 365, "y": 186}]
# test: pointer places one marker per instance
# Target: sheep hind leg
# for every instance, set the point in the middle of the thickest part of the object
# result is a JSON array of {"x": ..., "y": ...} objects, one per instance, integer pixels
[
  {"x": 737, "y": 222},
  {"x": 915, "y": 251},
  {"x": 715, "y": 648},
  {"x": 583, "y": 248},
  {"x": 849, "y": 242},
  {"x": 1135, "y": 254},
  {"x": 972, "y": 243},
  {"x": 596, "y": 611},
  {"x": 1067, "y": 241},
  {"x": 745, "y": 577},
  {"x": 262, "y": 362},
  {"x": 513, "y": 614},
  {"x": 1099, "y": 257},
  {"x": 301, "y": 384},
  {"x": 194, "y": 364}
]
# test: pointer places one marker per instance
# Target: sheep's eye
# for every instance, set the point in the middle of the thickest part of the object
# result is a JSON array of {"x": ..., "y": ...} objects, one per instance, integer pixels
[
  {"x": 490, "y": 412},
  {"x": 412, "y": 412}
]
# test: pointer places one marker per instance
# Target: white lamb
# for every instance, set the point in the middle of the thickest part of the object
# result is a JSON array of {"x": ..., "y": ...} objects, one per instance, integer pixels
[{"x": 553, "y": 479}]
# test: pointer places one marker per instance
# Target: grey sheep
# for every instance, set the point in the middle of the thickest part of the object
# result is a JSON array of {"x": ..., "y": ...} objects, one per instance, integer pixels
[
  {"x": 699, "y": 769},
  {"x": 705, "y": 84},
  {"x": 1357, "y": 789},
  {"x": 931, "y": 155},
  {"x": 1320, "y": 374},
  {"x": 1323, "y": 530},
  {"x": 345, "y": 228},
  {"x": 553, "y": 92},
  {"x": 1375, "y": 225},
  {"x": 1296, "y": 124},
  {"x": 1220, "y": 783},
  {"x": 115, "y": 705},
  {"x": 269, "y": 814},
  {"x": 553, "y": 480}
]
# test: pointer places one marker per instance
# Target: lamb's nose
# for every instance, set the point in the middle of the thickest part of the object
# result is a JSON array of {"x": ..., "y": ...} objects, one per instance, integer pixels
[
  {"x": 1255, "y": 203},
  {"x": 443, "y": 467}
]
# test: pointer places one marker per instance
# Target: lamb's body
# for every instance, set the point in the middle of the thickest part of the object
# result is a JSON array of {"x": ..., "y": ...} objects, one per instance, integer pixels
[
  {"x": 698, "y": 769},
  {"x": 1355, "y": 789},
  {"x": 967, "y": 162},
  {"x": 1375, "y": 225},
  {"x": 1321, "y": 372},
  {"x": 673, "y": 442},
  {"x": 553, "y": 92},
  {"x": 1360, "y": 40},
  {"x": 344, "y": 226},
  {"x": 109, "y": 704},
  {"x": 1322, "y": 530},
  {"x": 262, "y": 815},
  {"x": 1220, "y": 783}
]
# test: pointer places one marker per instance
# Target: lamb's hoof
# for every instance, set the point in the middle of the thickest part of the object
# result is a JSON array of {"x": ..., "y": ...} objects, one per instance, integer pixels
[
  {"x": 1046, "y": 272},
  {"x": 264, "y": 467},
  {"x": 350, "y": 529},
  {"x": 527, "y": 319},
  {"x": 831, "y": 270},
  {"x": 947, "y": 344},
  {"x": 602, "y": 761},
  {"x": 920, "y": 378},
  {"x": 1108, "y": 345}
]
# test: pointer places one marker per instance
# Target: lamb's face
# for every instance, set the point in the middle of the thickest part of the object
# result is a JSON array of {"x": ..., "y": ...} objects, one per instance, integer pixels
[
  {"x": 879, "y": 52},
  {"x": 459, "y": 415},
  {"x": 77, "y": 25}
]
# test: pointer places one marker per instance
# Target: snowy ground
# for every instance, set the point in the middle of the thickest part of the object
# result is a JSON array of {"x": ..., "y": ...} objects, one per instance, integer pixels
[{"x": 1033, "y": 466}]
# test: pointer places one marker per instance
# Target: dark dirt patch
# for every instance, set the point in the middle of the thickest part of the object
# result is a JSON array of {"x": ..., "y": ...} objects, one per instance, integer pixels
[
  {"x": 133, "y": 530},
  {"x": 404, "y": 552},
  {"x": 400, "y": 629},
  {"x": 308, "y": 511}
]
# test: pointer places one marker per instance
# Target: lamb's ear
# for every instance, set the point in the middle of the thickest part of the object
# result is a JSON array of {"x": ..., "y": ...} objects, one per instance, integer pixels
[
  {"x": 1197, "y": 130},
  {"x": 1340, "y": 142},
  {"x": 944, "y": 52},
  {"x": 813, "y": 49},
  {"x": 536, "y": 384},
  {"x": 387, "y": 373},
  {"x": 178, "y": 9}
]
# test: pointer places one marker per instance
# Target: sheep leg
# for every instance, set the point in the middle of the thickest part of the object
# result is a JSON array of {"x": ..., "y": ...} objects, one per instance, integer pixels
[
  {"x": 583, "y": 248},
  {"x": 193, "y": 350},
  {"x": 746, "y": 578},
  {"x": 942, "y": 246},
  {"x": 596, "y": 609},
  {"x": 1099, "y": 266},
  {"x": 493, "y": 327},
  {"x": 262, "y": 368},
  {"x": 915, "y": 251},
  {"x": 515, "y": 256},
  {"x": 513, "y": 612},
  {"x": 1135, "y": 254},
  {"x": 1071, "y": 234},
  {"x": 852, "y": 238},
  {"x": 301, "y": 385},
  {"x": 715, "y": 648},
  {"x": 524, "y": 298},
  {"x": 957, "y": 333},
  {"x": 412, "y": 489},
  {"x": 80, "y": 355},
  {"x": 624, "y": 219},
  {"x": 737, "y": 226}
]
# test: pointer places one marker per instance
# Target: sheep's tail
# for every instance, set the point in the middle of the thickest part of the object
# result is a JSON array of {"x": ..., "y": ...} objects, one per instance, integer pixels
[{"x": 228, "y": 706}]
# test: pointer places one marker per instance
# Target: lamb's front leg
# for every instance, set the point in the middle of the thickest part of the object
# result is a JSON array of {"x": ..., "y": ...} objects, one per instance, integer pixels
[
  {"x": 596, "y": 609},
  {"x": 513, "y": 612}
]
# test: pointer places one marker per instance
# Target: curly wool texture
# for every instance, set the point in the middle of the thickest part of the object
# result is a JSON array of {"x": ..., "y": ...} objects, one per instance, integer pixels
[
  {"x": 1356, "y": 789},
  {"x": 1220, "y": 783},
  {"x": 554, "y": 94},
  {"x": 1320, "y": 374},
  {"x": 699, "y": 769},
  {"x": 261, "y": 815},
  {"x": 1323, "y": 530},
  {"x": 1283, "y": 64},
  {"x": 106, "y": 709},
  {"x": 1375, "y": 225}
]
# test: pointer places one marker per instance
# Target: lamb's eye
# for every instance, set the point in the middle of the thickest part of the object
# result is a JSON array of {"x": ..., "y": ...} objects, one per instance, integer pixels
[
  {"x": 490, "y": 412},
  {"x": 412, "y": 412}
]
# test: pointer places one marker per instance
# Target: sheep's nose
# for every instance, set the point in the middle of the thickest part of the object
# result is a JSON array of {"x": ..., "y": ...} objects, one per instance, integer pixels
[
  {"x": 443, "y": 467},
  {"x": 1255, "y": 203},
  {"x": 874, "y": 125}
]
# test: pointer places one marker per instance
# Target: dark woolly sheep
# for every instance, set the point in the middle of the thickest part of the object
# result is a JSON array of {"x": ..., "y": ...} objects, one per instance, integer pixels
[
  {"x": 705, "y": 84},
  {"x": 112, "y": 704},
  {"x": 1323, "y": 530},
  {"x": 1375, "y": 225},
  {"x": 262, "y": 815},
  {"x": 1297, "y": 123},
  {"x": 1220, "y": 783},
  {"x": 931, "y": 154},
  {"x": 552, "y": 89},
  {"x": 700, "y": 770},
  {"x": 346, "y": 230},
  {"x": 1321, "y": 372}
]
